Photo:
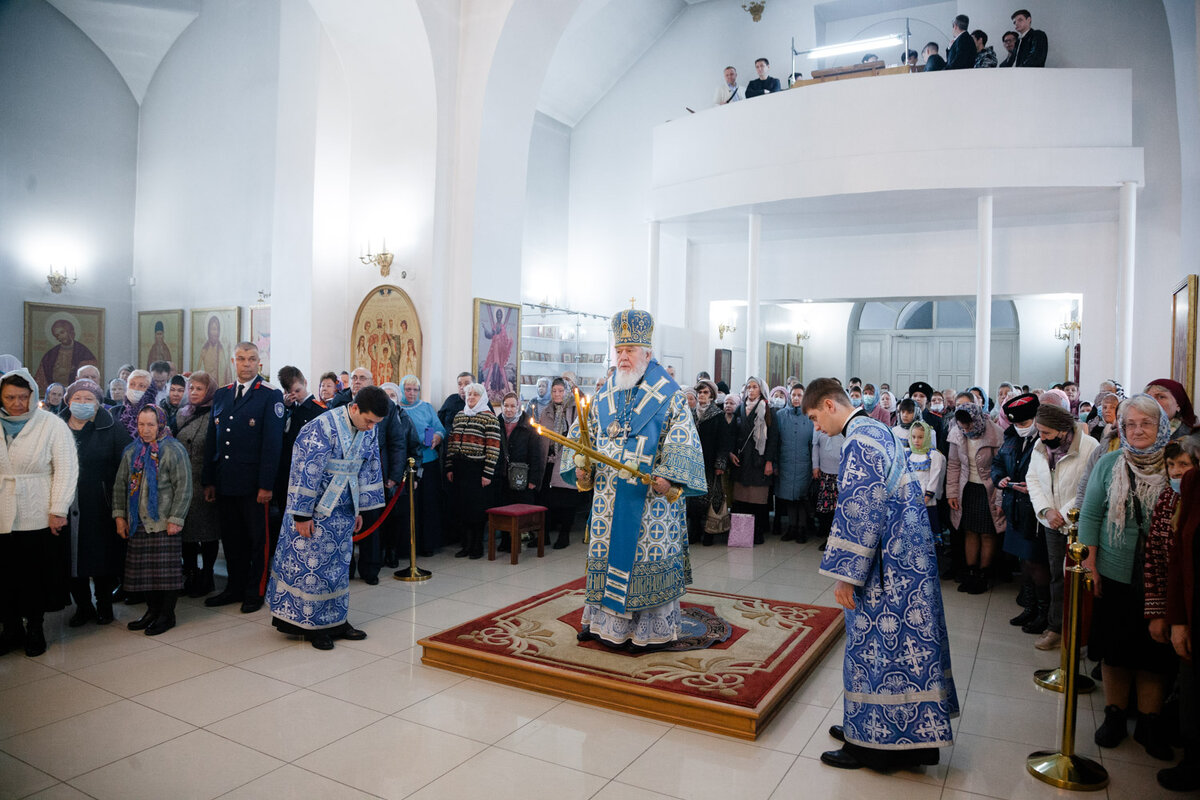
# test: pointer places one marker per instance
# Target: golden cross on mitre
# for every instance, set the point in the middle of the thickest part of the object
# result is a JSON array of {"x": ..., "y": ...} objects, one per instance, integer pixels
[{"x": 632, "y": 302}]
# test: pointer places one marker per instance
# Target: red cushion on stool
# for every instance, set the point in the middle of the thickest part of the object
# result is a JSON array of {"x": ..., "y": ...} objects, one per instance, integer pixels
[{"x": 516, "y": 510}]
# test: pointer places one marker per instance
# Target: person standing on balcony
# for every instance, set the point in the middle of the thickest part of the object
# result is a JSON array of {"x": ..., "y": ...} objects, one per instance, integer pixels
[
  {"x": 1032, "y": 45},
  {"x": 764, "y": 84},
  {"x": 961, "y": 54},
  {"x": 1010, "y": 40},
  {"x": 729, "y": 92}
]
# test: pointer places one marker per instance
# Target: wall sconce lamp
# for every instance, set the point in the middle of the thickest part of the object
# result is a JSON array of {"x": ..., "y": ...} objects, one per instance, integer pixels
[
  {"x": 724, "y": 328},
  {"x": 1066, "y": 330},
  {"x": 382, "y": 259},
  {"x": 58, "y": 280},
  {"x": 803, "y": 335},
  {"x": 263, "y": 296}
]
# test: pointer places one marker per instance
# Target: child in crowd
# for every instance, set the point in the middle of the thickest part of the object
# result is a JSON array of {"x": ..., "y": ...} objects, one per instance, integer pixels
[
  {"x": 1181, "y": 457},
  {"x": 930, "y": 468},
  {"x": 908, "y": 411}
]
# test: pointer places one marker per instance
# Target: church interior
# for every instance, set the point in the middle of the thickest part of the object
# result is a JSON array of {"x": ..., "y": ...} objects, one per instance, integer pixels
[{"x": 220, "y": 159}]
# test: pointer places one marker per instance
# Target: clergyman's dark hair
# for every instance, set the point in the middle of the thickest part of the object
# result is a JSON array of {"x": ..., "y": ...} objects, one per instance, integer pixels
[{"x": 372, "y": 400}]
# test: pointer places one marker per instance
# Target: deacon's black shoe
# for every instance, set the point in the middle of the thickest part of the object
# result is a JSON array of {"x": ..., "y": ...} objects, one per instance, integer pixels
[
  {"x": 841, "y": 759},
  {"x": 225, "y": 598},
  {"x": 837, "y": 732},
  {"x": 352, "y": 634},
  {"x": 252, "y": 604},
  {"x": 322, "y": 641}
]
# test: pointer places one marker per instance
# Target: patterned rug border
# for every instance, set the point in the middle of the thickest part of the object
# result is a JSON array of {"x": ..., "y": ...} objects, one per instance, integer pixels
[{"x": 593, "y": 686}]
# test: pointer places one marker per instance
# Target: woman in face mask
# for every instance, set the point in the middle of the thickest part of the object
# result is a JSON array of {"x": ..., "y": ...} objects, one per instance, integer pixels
[
  {"x": 137, "y": 397},
  {"x": 96, "y": 552},
  {"x": 1021, "y": 539},
  {"x": 1056, "y": 468},
  {"x": 778, "y": 398},
  {"x": 974, "y": 441}
]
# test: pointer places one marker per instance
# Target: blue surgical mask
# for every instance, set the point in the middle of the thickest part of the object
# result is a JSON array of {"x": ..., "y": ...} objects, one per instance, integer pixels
[
  {"x": 777, "y": 402},
  {"x": 856, "y": 401},
  {"x": 1083, "y": 415},
  {"x": 83, "y": 410},
  {"x": 869, "y": 401},
  {"x": 1175, "y": 484}
]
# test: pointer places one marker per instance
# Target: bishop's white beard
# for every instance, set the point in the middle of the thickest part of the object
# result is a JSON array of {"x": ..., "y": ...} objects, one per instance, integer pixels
[{"x": 624, "y": 380}]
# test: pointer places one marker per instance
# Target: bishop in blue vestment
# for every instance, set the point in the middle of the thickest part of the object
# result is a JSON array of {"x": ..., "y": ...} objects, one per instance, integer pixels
[
  {"x": 335, "y": 476},
  {"x": 899, "y": 691},
  {"x": 637, "y": 557}
]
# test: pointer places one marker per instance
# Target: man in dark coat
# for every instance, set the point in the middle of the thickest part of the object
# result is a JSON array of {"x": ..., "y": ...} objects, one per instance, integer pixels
[
  {"x": 1032, "y": 46},
  {"x": 961, "y": 54},
  {"x": 764, "y": 84},
  {"x": 933, "y": 61},
  {"x": 241, "y": 459}
]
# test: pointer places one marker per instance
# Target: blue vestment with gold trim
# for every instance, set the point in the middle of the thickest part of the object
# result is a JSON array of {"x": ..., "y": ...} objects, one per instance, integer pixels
[
  {"x": 637, "y": 560},
  {"x": 899, "y": 690}
]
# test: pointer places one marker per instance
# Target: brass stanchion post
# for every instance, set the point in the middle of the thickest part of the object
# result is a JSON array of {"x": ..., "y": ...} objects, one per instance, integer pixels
[
  {"x": 1055, "y": 679},
  {"x": 1064, "y": 768},
  {"x": 413, "y": 573}
]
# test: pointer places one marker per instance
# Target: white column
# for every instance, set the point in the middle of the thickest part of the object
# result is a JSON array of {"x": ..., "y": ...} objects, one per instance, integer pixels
[
  {"x": 1126, "y": 239},
  {"x": 753, "y": 360},
  {"x": 983, "y": 297},
  {"x": 654, "y": 243}
]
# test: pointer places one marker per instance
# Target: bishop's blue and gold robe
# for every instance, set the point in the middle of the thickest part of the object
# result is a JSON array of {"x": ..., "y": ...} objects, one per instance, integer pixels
[
  {"x": 637, "y": 560},
  {"x": 899, "y": 691},
  {"x": 335, "y": 475}
]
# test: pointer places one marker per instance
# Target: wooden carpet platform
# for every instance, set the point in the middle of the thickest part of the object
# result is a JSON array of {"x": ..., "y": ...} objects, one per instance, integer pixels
[{"x": 734, "y": 688}]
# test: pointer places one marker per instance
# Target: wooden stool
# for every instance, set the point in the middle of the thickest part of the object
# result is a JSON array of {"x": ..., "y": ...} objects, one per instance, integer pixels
[{"x": 516, "y": 519}]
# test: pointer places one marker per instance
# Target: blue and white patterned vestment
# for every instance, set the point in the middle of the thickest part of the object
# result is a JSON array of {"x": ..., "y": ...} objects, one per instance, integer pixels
[
  {"x": 637, "y": 560},
  {"x": 899, "y": 689},
  {"x": 335, "y": 475}
]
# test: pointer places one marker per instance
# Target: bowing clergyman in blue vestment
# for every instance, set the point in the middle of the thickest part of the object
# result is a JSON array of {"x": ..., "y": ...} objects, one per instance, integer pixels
[
  {"x": 637, "y": 556},
  {"x": 899, "y": 691},
  {"x": 335, "y": 477}
]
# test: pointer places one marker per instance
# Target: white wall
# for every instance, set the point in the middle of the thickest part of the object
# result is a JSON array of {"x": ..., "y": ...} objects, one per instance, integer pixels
[
  {"x": 207, "y": 162},
  {"x": 547, "y": 199},
  {"x": 68, "y": 144}
]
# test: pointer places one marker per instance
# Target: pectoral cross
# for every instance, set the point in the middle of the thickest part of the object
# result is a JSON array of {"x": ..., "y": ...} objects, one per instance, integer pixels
[
  {"x": 638, "y": 458},
  {"x": 651, "y": 393}
]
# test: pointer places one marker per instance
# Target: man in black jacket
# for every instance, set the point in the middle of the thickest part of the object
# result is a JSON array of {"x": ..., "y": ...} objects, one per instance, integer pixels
[
  {"x": 961, "y": 54},
  {"x": 933, "y": 61},
  {"x": 1032, "y": 45},
  {"x": 764, "y": 84}
]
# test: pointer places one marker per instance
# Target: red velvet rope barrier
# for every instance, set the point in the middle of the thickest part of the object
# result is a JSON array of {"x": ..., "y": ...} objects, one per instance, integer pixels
[{"x": 358, "y": 537}]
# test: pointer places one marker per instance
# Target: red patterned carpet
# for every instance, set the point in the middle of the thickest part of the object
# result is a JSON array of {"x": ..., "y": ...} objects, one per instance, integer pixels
[{"x": 733, "y": 687}]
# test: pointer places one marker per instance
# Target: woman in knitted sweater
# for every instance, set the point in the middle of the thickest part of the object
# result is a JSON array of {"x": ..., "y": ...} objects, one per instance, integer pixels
[
  {"x": 472, "y": 450},
  {"x": 1114, "y": 523},
  {"x": 39, "y": 471}
]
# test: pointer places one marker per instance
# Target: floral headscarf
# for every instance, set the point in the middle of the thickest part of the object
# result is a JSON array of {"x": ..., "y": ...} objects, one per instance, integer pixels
[
  {"x": 973, "y": 419},
  {"x": 144, "y": 469},
  {"x": 1145, "y": 468}
]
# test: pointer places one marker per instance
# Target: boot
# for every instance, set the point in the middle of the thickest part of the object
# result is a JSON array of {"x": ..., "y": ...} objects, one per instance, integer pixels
[
  {"x": 83, "y": 613},
  {"x": 564, "y": 539},
  {"x": 1183, "y": 777},
  {"x": 706, "y": 540},
  {"x": 968, "y": 580},
  {"x": 202, "y": 586},
  {"x": 1026, "y": 616},
  {"x": 189, "y": 580},
  {"x": 980, "y": 583},
  {"x": 104, "y": 612},
  {"x": 1025, "y": 598},
  {"x": 1151, "y": 733},
  {"x": 1114, "y": 729},
  {"x": 147, "y": 619},
  {"x": 1038, "y": 624},
  {"x": 166, "y": 614},
  {"x": 35, "y": 638}
]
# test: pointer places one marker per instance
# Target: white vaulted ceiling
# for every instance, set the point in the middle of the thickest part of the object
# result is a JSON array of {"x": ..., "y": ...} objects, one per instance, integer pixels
[
  {"x": 603, "y": 40},
  {"x": 134, "y": 34}
]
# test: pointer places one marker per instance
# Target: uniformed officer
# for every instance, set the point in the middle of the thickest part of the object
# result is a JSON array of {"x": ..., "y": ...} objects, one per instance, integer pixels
[{"x": 245, "y": 435}]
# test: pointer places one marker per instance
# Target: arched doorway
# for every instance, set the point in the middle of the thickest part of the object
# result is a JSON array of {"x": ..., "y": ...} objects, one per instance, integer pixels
[{"x": 899, "y": 342}]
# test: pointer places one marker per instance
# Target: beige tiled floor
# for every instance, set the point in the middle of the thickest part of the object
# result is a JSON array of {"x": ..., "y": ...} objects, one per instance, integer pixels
[{"x": 224, "y": 706}]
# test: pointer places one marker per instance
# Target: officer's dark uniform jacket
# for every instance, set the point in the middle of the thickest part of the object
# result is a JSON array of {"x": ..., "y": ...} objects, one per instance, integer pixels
[{"x": 244, "y": 440}]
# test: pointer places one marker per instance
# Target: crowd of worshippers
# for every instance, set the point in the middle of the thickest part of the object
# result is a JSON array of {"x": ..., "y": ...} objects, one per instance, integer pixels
[
  {"x": 1025, "y": 47},
  {"x": 129, "y": 495}
]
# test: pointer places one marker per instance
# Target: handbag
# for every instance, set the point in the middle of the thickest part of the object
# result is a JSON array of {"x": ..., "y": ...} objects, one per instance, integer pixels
[{"x": 518, "y": 476}]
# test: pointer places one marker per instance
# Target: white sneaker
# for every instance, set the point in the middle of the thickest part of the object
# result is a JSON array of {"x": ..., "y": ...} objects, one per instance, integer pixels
[{"x": 1048, "y": 641}]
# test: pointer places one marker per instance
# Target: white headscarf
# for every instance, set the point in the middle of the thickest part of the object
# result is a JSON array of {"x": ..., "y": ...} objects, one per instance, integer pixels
[{"x": 482, "y": 405}]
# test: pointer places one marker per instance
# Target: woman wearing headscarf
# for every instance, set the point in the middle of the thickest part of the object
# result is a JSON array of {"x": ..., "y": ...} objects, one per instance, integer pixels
[
  {"x": 1106, "y": 434},
  {"x": 137, "y": 397},
  {"x": 429, "y": 471},
  {"x": 778, "y": 398},
  {"x": 202, "y": 530},
  {"x": 974, "y": 505},
  {"x": 54, "y": 399},
  {"x": 706, "y": 409},
  {"x": 39, "y": 472},
  {"x": 96, "y": 554},
  {"x": 520, "y": 468},
  {"x": 150, "y": 504},
  {"x": 794, "y": 476},
  {"x": 717, "y": 438},
  {"x": 473, "y": 450},
  {"x": 1176, "y": 404},
  {"x": 754, "y": 456},
  {"x": 539, "y": 401},
  {"x": 1114, "y": 523},
  {"x": 1010, "y": 469},
  {"x": 1060, "y": 458},
  {"x": 557, "y": 495},
  {"x": 392, "y": 390},
  {"x": 884, "y": 410}
]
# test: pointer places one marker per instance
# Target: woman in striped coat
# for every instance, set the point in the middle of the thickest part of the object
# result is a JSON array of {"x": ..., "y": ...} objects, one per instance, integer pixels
[{"x": 472, "y": 451}]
